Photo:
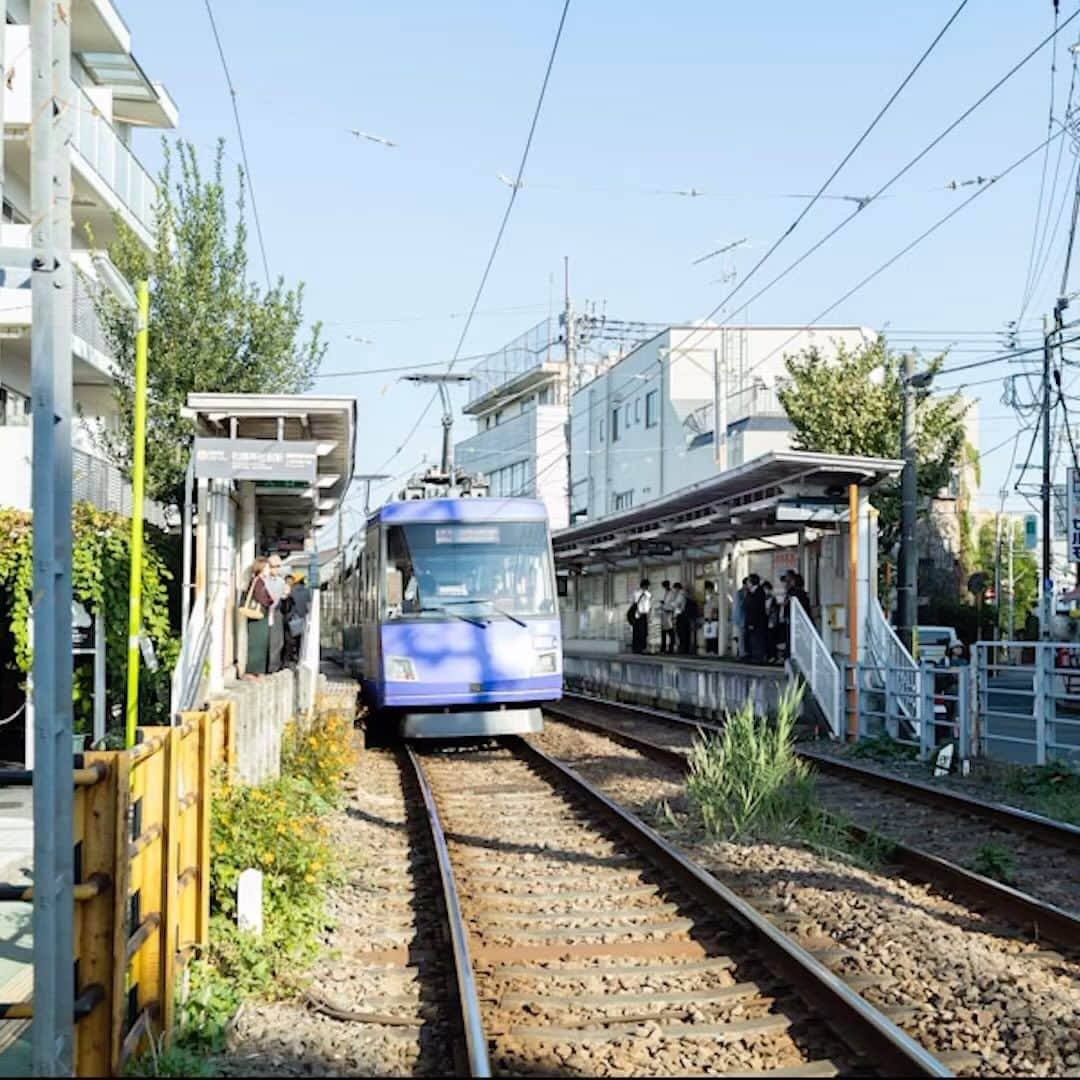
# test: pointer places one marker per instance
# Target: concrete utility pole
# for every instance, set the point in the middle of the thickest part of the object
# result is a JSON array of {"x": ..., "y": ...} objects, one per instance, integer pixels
[
  {"x": 1047, "y": 592},
  {"x": 570, "y": 341},
  {"x": 907, "y": 597},
  {"x": 50, "y": 196}
]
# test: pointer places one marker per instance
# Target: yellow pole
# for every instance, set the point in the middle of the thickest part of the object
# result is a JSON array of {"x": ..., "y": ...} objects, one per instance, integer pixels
[
  {"x": 853, "y": 604},
  {"x": 138, "y": 485}
]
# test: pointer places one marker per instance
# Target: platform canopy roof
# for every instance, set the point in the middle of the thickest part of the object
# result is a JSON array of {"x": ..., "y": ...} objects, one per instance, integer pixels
[
  {"x": 328, "y": 422},
  {"x": 775, "y": 494}
]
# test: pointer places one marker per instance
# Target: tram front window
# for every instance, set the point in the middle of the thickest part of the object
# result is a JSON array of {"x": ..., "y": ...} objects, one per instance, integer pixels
[{"x": 470, "y": 571}]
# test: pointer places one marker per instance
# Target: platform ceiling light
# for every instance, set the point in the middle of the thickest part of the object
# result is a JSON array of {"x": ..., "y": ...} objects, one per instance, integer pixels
[
  {"x": 324, "y": 448},
  {"x": 328, "y": 480}
]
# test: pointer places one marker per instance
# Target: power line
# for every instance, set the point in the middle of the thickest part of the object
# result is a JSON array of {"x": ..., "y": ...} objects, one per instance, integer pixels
[
  {"x": 896, "y": 176},
  {"x": 243, "y": 147},
  {"x": 514, "y": 189},
  {"x": 904, "y": 251},
  {"x": 846, "y": 158}
]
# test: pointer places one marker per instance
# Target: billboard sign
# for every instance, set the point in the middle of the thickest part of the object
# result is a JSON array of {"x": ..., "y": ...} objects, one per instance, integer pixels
[{"x": 256, "y": 459}]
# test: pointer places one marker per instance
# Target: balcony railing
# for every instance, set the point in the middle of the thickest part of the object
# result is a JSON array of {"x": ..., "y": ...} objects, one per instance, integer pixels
[
  {"x": 99, "y": 482},
  {"x": 754, "y": 400},
  {"x": 85, "y": 323},
  {"x": 539, "y": 345},
  {"x": 111, "y": 158}
]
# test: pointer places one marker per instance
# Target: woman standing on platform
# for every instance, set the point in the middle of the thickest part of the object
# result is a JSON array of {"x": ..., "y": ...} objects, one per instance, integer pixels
[{"x": 255, "y": 609}]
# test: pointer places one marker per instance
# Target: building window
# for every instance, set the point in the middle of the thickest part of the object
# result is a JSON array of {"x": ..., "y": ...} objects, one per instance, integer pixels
[
  {"x": 14, "y": 408},
  {"x": 601, "y": 431},
  {"x": 544, "y": 397},
  {"x": 624, "y": 499},
  {"x": 626, "y": 414},
  {"x": 637, "y": 410},
  {"x": 614, "y": 425},
  {"x": 652, "y": 408}
]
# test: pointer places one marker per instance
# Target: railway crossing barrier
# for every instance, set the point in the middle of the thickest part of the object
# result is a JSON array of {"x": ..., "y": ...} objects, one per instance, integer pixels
[{"x": 142, "y": 881}]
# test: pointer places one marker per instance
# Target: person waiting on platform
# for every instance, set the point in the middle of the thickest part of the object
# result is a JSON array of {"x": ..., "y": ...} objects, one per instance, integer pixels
[
  {"x": 638, "y": 616},
  {"x": 255, "y": 608},
  {"x": 757, "y": 619},
  {"x": 772, "y": 622},
  {"x": 682, "y": 618},
  {"x": 667, "y": 619},
  {"x": 277, "y": 588},
  {"x": 711, "y": 614},
  {"x": 294, "y": 610}
]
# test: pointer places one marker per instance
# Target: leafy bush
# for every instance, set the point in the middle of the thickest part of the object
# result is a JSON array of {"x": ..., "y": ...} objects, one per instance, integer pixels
[
  {"x": 1052, "y": 789},
  {"x": 101, "y": 569},
  {"x": 883, "y": 748},
  {"x": 748, "y": 780}
]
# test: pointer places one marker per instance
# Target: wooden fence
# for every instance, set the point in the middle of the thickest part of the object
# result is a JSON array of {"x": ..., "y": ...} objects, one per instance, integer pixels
[{"x": 142, "y": 883}]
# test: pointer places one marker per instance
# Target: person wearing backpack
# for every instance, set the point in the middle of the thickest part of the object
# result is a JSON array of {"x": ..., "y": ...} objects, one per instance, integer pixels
[{"x": 637, "y": 616}]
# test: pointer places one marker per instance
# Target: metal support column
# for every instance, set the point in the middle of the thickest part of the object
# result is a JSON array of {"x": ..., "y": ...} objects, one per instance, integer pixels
[{"x": 50, "y": 190}]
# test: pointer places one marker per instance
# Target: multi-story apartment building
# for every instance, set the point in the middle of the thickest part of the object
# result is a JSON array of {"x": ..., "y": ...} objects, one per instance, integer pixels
[
  {"x": 518, "y": 399},
  {"x": 647, "y": 425},
  {"x": 112, "y": 97}
]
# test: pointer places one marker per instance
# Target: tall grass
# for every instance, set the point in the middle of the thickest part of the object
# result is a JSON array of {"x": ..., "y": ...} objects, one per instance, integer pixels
[{"x": 748, "y": 782}]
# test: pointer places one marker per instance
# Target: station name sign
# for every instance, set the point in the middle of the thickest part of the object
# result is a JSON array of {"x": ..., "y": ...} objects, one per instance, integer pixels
[
  {"x": 256, "y": 459},
  {"x": 651, "y": 547}
]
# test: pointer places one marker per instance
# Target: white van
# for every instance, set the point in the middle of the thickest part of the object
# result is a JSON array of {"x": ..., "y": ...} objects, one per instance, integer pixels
[{"x": 935, "y": 643}]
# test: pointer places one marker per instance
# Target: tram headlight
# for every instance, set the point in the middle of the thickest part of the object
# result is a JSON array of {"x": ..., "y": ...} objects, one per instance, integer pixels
[
  {"x": 544, "y": 664},
  {"x": 400, "y": 669}
]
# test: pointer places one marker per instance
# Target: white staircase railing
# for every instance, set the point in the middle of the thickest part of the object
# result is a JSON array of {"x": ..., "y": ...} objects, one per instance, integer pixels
[
  {"x": 189, "y": 673},
  {"x": 818, "y": 668},
  {"x": 893, "y": 670}
]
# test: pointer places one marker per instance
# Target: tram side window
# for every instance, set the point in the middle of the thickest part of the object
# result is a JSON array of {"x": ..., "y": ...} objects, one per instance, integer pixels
[{"x": 402, "y": 593}]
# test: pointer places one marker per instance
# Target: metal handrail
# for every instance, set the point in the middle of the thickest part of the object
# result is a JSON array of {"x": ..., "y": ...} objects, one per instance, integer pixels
[
  {"x": 194, "y": 650},
  {"x": 893, "y": 656},
  {"x": 818, "y": 667}
]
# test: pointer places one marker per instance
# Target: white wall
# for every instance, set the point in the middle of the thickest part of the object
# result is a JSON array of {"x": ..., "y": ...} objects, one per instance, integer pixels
[{"x": 687, "y": 367}]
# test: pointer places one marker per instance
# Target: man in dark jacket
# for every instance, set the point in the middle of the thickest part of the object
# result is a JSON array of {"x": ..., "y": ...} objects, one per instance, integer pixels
[{"x": 757, "y": 620}]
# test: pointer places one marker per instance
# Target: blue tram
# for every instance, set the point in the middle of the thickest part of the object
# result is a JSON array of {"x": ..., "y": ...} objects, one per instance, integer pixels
[{"x": 459, "y": 620}]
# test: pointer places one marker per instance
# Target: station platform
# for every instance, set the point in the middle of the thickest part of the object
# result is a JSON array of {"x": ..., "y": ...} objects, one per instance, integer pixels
[{"x": 704, "y": 687}]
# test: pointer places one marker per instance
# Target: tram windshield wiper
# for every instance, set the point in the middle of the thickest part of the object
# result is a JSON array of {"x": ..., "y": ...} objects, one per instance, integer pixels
[
  {"x": 457, "y": 615},
  {"x": 488, "y": 600}
]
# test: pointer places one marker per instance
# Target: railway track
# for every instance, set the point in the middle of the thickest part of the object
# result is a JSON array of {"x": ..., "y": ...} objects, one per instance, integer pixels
[
  {"x": 583, "y": 942},
  {"x": 932, "y": 832}
]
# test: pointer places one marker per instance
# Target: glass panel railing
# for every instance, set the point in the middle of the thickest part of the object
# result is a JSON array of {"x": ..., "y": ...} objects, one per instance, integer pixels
[{"x": 107, "y": 154}]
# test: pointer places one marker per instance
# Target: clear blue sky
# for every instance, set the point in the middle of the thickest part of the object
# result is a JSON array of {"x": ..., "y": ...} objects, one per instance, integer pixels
[{"x": 745, "y": 101}]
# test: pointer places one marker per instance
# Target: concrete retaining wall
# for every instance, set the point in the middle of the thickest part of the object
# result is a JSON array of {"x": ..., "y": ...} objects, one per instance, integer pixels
[
  {"x": 702, "y": 689},
  {"x": 262, "y": 709}
]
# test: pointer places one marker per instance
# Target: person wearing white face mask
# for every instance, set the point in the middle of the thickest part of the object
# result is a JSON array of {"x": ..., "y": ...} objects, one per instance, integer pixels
[
  {"x": 638, "y": 616},
  {"x": 277, "y": 588}
]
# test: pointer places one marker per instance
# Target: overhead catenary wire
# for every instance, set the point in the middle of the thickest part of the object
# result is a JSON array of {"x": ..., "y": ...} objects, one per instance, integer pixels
[
  {"x": 514, "y": 189},
  {"x": 243, "y": 146},
  {"x": 911, "y": 163}
]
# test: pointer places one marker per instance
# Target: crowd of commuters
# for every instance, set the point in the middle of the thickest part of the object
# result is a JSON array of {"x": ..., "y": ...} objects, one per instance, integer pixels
[
  {"x": 761, "y": 619},
  {"x": 275, "y": 607}
]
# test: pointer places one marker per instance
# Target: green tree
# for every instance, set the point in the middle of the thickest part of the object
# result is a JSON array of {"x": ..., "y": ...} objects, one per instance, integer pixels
[
  {"x": 1025, "y": 571},
  {"x": 211, "y": 329},
  {"x": 852, "y": 403}
]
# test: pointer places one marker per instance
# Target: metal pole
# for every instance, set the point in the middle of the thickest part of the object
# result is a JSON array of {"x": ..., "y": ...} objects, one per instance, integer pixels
[
  {"x": 1047, "y": 591},
  {"x": 50, "y": 191},
  {"x": 853, "y": 601},
  {"x": 1012, "y": 588},
  {"x": 189, "y": 498},
  {"x": 997, "y": 577},
  {"x": 907, "y": 586},
  {"x": 138, "y": 485},
  {"x": 570, "y": 341}
]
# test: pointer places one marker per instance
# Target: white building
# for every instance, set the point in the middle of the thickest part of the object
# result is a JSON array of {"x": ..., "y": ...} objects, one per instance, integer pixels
[
  {"x": 646, "y": 426},
  {"x": 518, "y": 399},
  {"x": 112, "y": 96}
]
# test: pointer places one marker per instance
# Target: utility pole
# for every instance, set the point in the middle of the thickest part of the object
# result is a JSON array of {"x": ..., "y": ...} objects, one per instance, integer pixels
[
  {"x": 997, "y": 575},
  {"x": 1045, "y": 608},
  {"x": 50, "y": 197},
  {"x": 907, "y": 598},
  {"x": 570, "y": 342}
]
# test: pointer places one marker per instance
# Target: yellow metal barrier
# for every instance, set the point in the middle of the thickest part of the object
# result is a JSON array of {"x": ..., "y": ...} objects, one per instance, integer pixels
[{"x": 142, "y": 891}]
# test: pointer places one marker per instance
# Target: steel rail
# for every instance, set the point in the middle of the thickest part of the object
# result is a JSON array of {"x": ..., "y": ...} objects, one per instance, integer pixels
[
  {"x": 476, "y": 1045},
  {"x": 1046, "y": 919},
  {"x": 857, "y": 1022},
  {"x": 1010, "y": 817}
]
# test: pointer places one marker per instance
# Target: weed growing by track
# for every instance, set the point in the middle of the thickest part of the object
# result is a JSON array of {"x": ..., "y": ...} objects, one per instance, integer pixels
[
  {"x": 747, "y": 783},
  {"x": 279, "y": 829},
  {"x": 1052, "y": 790},
  {"x": 996, "y": 862},
  {"x": 882, "y": 748}
]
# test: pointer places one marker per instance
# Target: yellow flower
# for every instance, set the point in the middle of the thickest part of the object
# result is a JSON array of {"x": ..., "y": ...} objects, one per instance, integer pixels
[
  {"x": 268, "y": 857},
  {"x": 312, "y": 741},
  {"x": 309, "y": 878},
  {"x": 220, "y": 849}
]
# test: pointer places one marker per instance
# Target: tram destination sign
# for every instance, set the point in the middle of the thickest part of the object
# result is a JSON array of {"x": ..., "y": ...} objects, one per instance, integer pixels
[{"x": 256, "y": 459}]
